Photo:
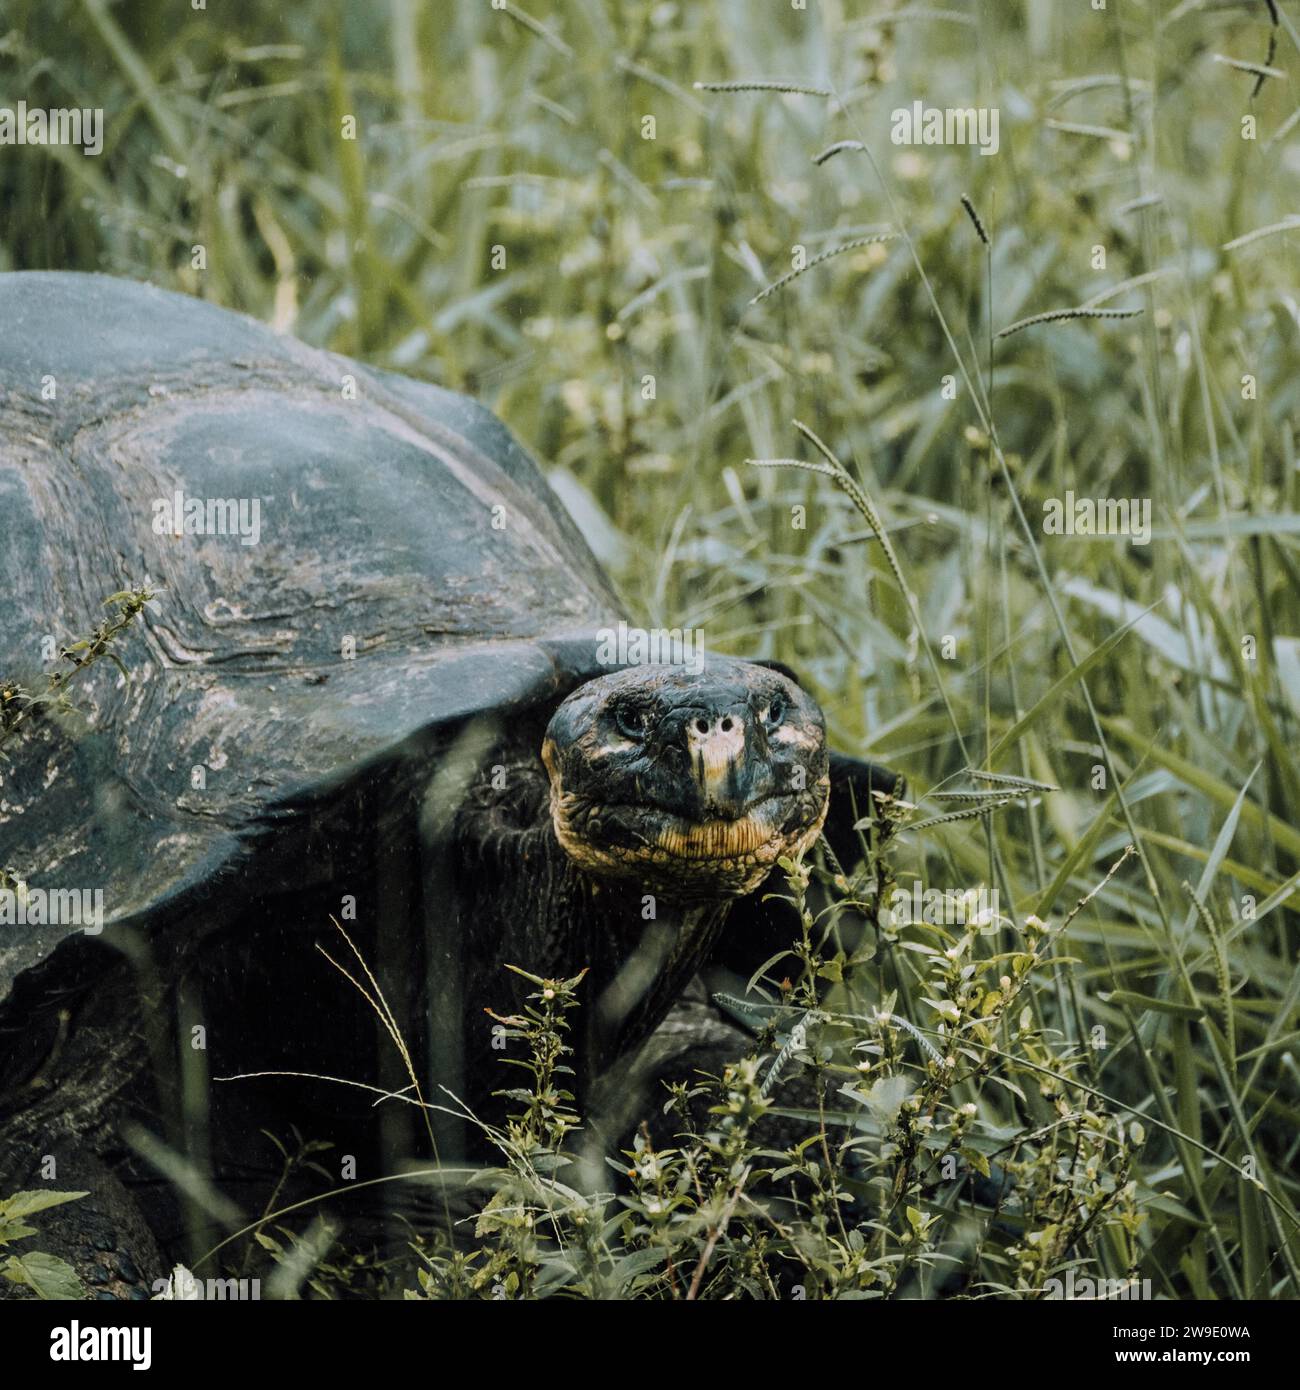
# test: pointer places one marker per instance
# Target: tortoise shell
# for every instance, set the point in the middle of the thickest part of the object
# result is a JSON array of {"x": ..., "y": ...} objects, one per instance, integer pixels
[{"x": 347, "y": 563}]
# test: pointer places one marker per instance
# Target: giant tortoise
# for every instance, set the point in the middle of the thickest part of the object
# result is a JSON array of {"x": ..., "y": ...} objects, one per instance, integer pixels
[{"x": 375, "y": 684}]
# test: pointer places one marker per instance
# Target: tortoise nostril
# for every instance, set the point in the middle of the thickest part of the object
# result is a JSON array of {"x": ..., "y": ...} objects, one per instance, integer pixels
[
  {"x": 702, "y": 725},
  {"x": 726, "y": 725}
]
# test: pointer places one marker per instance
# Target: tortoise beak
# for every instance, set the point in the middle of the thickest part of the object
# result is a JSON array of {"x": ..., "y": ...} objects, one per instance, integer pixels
[{"x": 719, "y": 743}]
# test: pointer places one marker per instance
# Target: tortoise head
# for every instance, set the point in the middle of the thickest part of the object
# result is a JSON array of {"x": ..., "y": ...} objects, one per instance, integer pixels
[{"x": 692, "y": 784}]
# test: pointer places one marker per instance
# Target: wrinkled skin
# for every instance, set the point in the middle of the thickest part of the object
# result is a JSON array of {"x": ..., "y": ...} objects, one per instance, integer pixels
[
  {"x": 639, "y": 847},
  {"x": 692, "y": 785}
]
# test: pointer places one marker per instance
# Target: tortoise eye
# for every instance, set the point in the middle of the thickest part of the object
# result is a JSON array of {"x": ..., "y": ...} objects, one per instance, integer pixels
[
  {"x": 775, "y": 711},
  {"x": 631, "y": 720}
]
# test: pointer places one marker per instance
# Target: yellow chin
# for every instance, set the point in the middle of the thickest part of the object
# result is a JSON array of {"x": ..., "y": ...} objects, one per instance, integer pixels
[
  {"x": 716, "y": 859},
  {"x": 716, "y": 839}
]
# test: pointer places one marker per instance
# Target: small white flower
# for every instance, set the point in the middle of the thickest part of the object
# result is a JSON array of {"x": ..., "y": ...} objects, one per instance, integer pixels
[{"x": 182, "y": 1284}]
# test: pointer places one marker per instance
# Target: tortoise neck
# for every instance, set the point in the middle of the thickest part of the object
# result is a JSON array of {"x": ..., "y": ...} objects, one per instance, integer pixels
[
  {"x": 643, "y": 953},
  {"x": 529, "y": 905}
]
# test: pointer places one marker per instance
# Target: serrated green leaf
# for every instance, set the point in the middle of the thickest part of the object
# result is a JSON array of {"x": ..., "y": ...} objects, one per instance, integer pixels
[
  {"x": 29, "y": 1202},
  {"x": 47, "y": 1275}
]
